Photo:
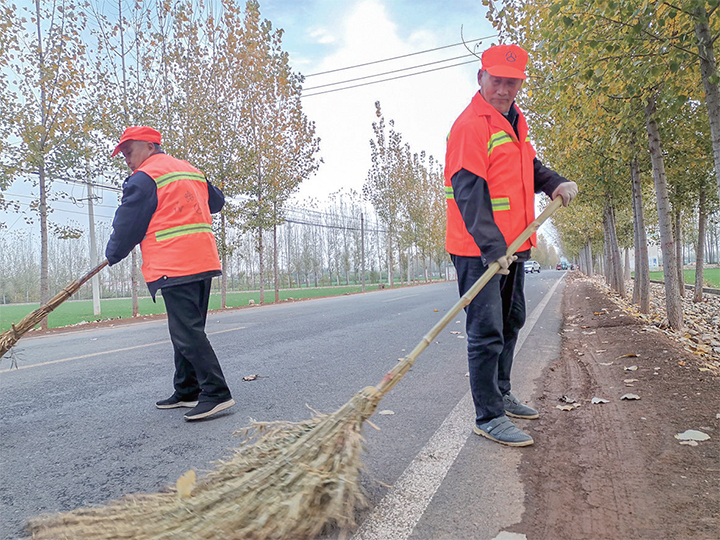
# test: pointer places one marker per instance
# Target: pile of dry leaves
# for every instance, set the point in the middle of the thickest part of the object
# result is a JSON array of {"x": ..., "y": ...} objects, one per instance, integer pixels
[{"x": 701, "y": 333}]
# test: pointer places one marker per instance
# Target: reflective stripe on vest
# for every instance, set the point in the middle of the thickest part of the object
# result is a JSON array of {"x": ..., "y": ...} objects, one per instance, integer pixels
[
  {"x": 181, "y": 230},
  {"x": 449, "y": 194},
  {"x": 166, "y": 179},
  {"x": 500, "y": 204},
  {"x": 499, "y": 138}
]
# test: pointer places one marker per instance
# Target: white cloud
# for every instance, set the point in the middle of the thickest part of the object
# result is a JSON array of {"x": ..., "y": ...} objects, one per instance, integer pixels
[
  {"x": 322, "y": 36},
  {"x": 423, "y": 106}
]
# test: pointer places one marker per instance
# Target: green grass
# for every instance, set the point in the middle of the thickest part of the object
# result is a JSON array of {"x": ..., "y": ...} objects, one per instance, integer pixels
[
  {"x": 73, "y": 312},
  {"x": 711, "y": 277}
]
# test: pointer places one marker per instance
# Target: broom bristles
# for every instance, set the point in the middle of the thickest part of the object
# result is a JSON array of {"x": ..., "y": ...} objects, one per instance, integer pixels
[{"x": 286, "y": 480}]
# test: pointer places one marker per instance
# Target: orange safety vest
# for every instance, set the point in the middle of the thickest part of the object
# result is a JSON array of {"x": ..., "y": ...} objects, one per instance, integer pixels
[
  {"x": 179, "y": 240},
  {"x": 484, "y": 143}
]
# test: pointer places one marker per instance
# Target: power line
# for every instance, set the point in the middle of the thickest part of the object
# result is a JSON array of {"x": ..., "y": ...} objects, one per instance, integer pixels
[
  {"x": 332, "y": 226},
  {"x": 390, "y": 79},
  {"x": 387, "y": 72},
  {"x": 401, "y": 56}
]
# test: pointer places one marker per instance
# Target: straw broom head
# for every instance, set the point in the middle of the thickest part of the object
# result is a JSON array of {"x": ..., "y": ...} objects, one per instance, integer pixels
[{"x": 286, "y": 480}]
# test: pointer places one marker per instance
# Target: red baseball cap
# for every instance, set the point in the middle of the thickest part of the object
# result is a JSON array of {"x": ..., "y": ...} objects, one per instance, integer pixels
[
  {"x": 138, "y": 133},
  {"x": 505, "y": 61}
]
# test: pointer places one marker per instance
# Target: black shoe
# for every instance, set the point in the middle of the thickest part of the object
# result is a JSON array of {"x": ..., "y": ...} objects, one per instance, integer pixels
[
  {"x": 208, "y": 408},
  {"x": 174, "y": 402}
]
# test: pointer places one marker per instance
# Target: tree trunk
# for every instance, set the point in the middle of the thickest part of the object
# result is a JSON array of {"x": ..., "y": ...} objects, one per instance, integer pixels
[
  {"x": 262, "y": 265},
  {"x": 700, "y": 251},
  {"x": 223, "y": 262},
  {"x": 390, "y": 262},
  {"x": 628, "y": 273},
  {"x": 42, "y": 209},
  {"x": 275, "y": 265},
  {"x": 641, "y": 287},
  {"x": 134, "y": 282},
  {"x": 707, "y": 70},
  {"x": 677, "y": 230},
  {"x": 614, "y": 269},
  {"x": 673, "y": 302}
]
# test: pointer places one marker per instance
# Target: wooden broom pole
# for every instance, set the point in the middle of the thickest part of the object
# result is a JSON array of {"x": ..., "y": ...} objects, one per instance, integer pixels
[
  {"x": 11, "y": 337},
  {"x": 402, "y": 367}
]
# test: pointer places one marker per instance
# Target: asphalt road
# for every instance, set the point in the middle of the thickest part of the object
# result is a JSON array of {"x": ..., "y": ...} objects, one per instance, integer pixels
[{"x": 78, "y": 424}]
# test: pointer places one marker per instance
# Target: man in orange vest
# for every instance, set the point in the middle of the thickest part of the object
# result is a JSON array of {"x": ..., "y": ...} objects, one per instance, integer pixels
[
  {"x": 491, "y": 177},
  {"x": 166, "y": 207}
]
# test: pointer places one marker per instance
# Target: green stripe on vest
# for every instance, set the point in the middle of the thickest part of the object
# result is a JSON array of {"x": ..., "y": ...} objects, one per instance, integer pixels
[
  {"x": 498, "y": 139},
  {"x": 500, "y": 204},
  {"x": 181, "y": 230},
  {"x": 449, "y": 194},
  {"x": 168, "y": 178}
]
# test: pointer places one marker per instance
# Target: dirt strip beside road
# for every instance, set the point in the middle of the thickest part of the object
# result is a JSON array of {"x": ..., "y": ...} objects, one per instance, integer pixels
[{"x": 615, "y": 470}]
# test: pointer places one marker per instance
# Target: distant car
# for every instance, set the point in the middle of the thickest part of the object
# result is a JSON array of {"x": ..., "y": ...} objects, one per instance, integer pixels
[
  {"x": 532, "y": 266},
  {"x": 558, "y": 266}
]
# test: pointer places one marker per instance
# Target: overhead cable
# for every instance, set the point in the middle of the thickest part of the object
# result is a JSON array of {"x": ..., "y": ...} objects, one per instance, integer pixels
[
  {"x": 389, "y": 79},
  {"x": 387, "y": 72},
  {"x": 401, "y": 56}
]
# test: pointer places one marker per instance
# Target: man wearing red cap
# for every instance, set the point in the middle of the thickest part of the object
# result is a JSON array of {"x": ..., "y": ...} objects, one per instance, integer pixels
[
  {"x": 491, "y": 177},
  {"x": 166, "y": 207}
]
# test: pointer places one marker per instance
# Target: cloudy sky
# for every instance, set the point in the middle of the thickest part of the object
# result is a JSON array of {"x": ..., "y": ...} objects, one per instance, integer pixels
[{"x": 323, "y": 35}]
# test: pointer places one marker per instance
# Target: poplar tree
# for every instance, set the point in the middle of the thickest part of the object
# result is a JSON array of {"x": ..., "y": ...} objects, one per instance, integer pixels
[{"x": 48, "y": 71}]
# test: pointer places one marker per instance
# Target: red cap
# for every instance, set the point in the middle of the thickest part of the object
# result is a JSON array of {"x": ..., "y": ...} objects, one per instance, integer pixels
[
  {"x": 505, "y": 61},
  {"x": 138, "y": 133}
]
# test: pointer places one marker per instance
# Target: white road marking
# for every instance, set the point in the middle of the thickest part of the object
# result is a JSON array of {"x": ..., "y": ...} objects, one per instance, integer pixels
[
  {"x": 400, "y": 298},
  {"x": 113, "y": 351},
  {"x": 395, "y": 517}
]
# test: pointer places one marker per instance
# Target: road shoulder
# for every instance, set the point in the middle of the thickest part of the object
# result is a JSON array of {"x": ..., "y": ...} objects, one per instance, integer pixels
[{"x": 615, "y": 470}]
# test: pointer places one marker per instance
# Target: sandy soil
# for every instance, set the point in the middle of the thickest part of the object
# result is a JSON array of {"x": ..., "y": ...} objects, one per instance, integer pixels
[{"x": 615, "y": 470}]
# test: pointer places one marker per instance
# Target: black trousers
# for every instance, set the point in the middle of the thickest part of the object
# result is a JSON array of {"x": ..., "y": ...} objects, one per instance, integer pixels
[
  {"x": 197, "y": 371},
  {"x": 494, "y": 319}
]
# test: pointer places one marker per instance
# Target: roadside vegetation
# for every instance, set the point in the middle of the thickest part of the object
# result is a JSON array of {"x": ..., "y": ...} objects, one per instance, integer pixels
[
  {"x": 624, "y": 98},
  {"x": 81, "y": 311}
]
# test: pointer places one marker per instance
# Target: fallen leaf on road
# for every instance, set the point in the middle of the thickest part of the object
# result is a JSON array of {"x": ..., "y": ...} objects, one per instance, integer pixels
[
  {"x": 250, "y": 378},
  {"x": 461, "y": 337},
  {"x": 601, "y": 350},
  {"x": 689, "y": 443},
  {"x": 692, "y": 435},
  {"x": 185, "y": 484},
  {"x": 630, "y": 380},
  {"x": 387, "y": 412},
  {"x": 596, "y": 400},
  {"x": 681, "y": 363},
  {"x": 605, "y": 363},
  {"x": 435, "y": 310},
  {"x": 629, "y": 355},
  {"x": 565, "y": 407},
  {"x": 630, "y": 368},
  {"x": 589, "y": 333},
  {"x": 630, "y": 396},
  {"x": 455, "y": 332},
  {"x": 566, "y": 399}
]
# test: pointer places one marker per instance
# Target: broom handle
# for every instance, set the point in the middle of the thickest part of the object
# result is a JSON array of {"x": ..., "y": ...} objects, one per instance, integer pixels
[
  {"x": 394, "y": 375},
  {"x": 10, "y": 337}
]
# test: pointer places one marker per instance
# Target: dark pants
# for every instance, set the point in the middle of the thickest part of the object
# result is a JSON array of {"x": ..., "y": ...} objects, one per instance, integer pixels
[
  {"x": 494, "y": 319},
  {"x": 197, "y": 370}
]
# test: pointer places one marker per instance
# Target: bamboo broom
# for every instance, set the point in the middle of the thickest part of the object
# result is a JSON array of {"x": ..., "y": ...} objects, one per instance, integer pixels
[
  {"x": 9, "y": 338},
  {"x": 285, "y": 481}
]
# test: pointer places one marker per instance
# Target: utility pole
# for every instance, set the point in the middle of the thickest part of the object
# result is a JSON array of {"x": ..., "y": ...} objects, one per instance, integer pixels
[
  {"x": 95, "y": 280},
  {"x": 362, "y": 249}
]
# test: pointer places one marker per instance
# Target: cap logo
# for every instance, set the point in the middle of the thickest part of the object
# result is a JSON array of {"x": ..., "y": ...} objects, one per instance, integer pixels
[{"x": 510, "y": 56}]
